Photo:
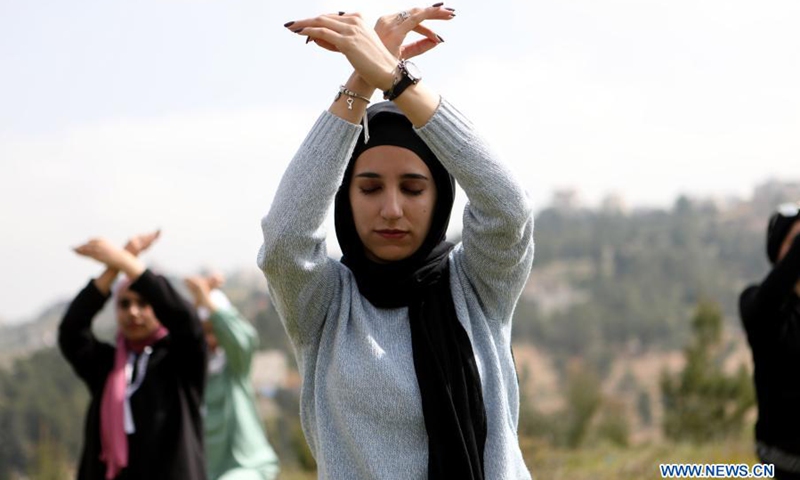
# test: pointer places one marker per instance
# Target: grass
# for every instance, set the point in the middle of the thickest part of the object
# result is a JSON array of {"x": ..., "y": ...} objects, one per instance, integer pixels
[
  {"x": 612, "y": 463},
  {"x": 640, "y": 462}
]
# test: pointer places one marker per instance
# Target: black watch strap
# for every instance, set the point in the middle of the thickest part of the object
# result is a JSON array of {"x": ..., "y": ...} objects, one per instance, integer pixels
[{"x": 402, "y": 84}]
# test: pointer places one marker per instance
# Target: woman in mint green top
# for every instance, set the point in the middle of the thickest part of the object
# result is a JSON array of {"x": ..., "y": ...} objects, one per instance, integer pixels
[{"x": 236, "y": 447}]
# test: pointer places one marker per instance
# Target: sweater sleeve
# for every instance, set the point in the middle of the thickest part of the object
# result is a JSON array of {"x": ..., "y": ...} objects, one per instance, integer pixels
[
  {"x": 302, "y": 278},
  {"x": 761, "y": 303},
  {"x": 497, "y": 239},
  {"x": 187, "y": 341},
  {"x": 236, "y": 337},
  {"x": 90, "y": 358}
]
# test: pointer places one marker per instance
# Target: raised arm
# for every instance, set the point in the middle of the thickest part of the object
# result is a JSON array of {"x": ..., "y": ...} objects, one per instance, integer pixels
[
  {"x": 302, "y": 278},
  {"x": 234, "y": 334},
  {"x": 761, "y": 303},
  {"x": 90, "y": 358},
  {"x": 496, "y": 253}
]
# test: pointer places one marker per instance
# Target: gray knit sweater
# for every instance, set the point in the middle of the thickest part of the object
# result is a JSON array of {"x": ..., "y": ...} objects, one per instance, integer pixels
[{"x": 360, "y": 403}]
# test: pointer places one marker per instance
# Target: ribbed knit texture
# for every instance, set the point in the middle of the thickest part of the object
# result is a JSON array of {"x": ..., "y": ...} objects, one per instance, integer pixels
[{"x": 360, "y": 403}]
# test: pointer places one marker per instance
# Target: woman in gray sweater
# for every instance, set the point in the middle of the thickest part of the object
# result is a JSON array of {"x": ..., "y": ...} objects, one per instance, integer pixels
[{"x": 404, "y": 346}]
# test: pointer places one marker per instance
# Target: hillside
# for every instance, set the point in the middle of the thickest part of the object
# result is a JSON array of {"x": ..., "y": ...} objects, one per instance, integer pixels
[{"x": 605, "y": 313}]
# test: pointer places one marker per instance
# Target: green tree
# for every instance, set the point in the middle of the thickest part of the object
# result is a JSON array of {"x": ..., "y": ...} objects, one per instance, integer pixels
[
  {"x": 702, "y": 403},
  {"x": 644, "y": 408},
  {"x": 34, "y": 427},
  {"x": 49, "y": 459},
  {"x": 614, "y": 426},
  {"x": 583, "y": 400}
]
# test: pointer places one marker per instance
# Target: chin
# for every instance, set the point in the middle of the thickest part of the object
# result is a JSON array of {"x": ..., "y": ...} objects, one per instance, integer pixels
[
  {"x": 138, "y": 334},
  {"x": 135, "y": 336},
  {"x": 391, "y": 255}
]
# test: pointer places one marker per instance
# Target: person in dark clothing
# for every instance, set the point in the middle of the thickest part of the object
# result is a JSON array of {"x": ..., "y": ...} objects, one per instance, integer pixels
[
  {"x": 144, "y": 419},
  {"x": 771, "y": 316}
]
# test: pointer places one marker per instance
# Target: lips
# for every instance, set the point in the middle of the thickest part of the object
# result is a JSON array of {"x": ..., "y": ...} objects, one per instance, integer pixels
[{"x": 392, "y": 234}]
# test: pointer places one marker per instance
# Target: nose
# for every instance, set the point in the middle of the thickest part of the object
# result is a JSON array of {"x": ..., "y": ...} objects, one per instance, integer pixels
[
  {"x": 392, "y": 208},
  {"x": 133, "y": 310}
]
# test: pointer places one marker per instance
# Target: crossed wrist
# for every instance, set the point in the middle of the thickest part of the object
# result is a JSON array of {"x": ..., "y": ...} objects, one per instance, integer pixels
[
  {"x": 357, "y": 84},
  {"x": 390, "y": 80},
  {"x": 404, "y": 75},
  {"x": 129, "y": 265}
]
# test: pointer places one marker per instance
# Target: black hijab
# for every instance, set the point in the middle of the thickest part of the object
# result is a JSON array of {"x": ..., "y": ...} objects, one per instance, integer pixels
[
  {"x": 777, "y": 230},
  {"x": 444, "y": 362}
]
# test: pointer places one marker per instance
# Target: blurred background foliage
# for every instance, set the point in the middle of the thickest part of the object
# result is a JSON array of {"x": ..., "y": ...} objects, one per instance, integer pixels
[{"x": 627, "y": 341}]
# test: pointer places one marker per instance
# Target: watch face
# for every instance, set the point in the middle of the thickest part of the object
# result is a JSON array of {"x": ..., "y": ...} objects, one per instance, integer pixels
[{"x": 413, "y": 72}]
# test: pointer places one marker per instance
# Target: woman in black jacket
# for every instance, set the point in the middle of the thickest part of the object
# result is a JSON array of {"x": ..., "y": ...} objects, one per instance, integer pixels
[
  {"x": 771, "y": 316},
  {"x": 144, "y": 419}
]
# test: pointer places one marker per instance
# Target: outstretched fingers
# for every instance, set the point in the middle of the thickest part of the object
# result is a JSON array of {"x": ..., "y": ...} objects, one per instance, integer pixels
[
  {"x": 327, "y": 31},
  {"x": 99, "y": 249},
  {"x": 198, "y": 286},
  {"x": 393, "y": 29},
  {"x": 139, "y": 243},
  {"x": 417, "y": 48}
]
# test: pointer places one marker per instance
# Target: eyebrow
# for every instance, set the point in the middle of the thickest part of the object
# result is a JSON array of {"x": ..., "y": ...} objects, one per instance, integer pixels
[{"x": 408, "y": 176}]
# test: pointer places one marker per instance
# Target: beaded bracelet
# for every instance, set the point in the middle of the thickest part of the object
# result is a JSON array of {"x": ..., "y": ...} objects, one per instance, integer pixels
[{"x": 345, "y": 91}]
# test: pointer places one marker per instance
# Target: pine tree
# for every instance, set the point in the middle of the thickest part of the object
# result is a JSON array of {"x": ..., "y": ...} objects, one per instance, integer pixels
[{"x": 702, "y": 403}]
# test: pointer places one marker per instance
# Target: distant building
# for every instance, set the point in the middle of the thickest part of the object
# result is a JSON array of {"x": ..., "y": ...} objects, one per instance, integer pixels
[
  {"x": 774, "y": 192},
  {"x": 566, "y": 199},
  {"x": 613, "y": 203}
]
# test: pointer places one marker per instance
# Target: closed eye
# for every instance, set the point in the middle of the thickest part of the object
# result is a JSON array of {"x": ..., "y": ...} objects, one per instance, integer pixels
[
  {"x": 414, "y": 191},
  {"x": 414, "y": 186},
  {"x": 369, "y": 190}
]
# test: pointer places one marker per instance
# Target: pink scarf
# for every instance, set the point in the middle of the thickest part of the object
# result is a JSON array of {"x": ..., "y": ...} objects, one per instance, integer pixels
[{"x": 113, "y": 439}]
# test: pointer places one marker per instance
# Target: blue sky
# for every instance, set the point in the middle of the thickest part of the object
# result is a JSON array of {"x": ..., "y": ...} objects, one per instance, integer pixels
[{"x": 121, "y": 116}]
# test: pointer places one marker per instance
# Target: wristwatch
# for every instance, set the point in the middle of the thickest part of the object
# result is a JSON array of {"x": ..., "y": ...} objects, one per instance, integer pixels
[{"x": 409, "y": 75}]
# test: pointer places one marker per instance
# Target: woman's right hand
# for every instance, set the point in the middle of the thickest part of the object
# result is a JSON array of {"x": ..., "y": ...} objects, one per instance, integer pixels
[
  {"x": 139, "y": 243},
  {"x": 393, "y": 31}
]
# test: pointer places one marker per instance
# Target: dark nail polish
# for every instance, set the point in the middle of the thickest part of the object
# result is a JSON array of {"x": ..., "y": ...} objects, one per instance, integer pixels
[
  {"x": 438, "y": 4},
  {"x": 308, "y": 40},
  {"x": 341, "y": 13},
  {"x": 441, "y": 40},
  {"x": 298, "y": 30},
  {"x": 288, "y": 24},
  {"x": 451, "y": 9}
]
